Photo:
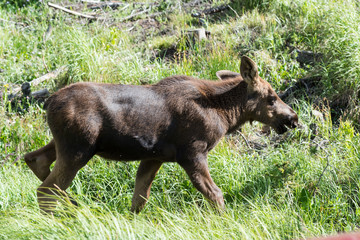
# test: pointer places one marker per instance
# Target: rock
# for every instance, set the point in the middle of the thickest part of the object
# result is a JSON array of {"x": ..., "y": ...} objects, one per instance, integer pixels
[
  {"x": 318, "y": 115},
  {"x": 198, "y": 34}
]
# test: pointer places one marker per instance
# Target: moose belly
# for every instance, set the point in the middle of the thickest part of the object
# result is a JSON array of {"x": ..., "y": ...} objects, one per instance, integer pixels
[{"x": 136, "y": 148}]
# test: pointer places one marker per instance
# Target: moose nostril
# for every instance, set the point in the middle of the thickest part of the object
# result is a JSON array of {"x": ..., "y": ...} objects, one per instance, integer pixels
[
  {"x": 293, "y": 120},
  {"x": 294, "y": 123}
]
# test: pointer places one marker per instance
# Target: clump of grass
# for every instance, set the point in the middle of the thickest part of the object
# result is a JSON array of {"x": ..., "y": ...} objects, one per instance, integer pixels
[{"x": 163, "y": 43}]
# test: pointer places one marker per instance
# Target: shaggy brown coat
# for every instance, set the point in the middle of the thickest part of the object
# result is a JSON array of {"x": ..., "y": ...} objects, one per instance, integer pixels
[{"x": 179, "y": 119}]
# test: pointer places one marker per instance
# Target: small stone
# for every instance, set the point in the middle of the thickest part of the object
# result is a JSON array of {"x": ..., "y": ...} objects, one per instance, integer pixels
[
  {"x": 318, "y": 115},
  {"x": 199, "y": 34}
]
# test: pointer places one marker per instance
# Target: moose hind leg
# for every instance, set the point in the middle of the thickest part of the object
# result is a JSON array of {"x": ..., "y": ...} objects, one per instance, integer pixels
[
  {"x": 60, "y": 178},
  {"x": 198, "y": 171},
  {"x": 40, "y": 160},
  {"x": 144, "y": 178}
]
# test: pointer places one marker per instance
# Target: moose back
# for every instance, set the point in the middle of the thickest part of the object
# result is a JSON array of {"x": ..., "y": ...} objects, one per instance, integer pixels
[{"x": 179, "y": 119}]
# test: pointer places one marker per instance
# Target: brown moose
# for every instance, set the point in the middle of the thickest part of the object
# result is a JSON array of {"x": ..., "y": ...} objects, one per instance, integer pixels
[{"x": 179, "y": 119}]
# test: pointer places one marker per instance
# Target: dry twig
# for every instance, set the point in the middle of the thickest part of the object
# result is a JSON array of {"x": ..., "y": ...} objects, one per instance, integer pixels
[
  {"x": 72, "y": 12},
  {"x": 134, "y": 15},
  {"x": 246, "y": 141}
]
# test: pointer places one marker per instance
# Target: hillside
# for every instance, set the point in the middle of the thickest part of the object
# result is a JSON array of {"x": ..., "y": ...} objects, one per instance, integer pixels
[{"x": 302, "y": 184}]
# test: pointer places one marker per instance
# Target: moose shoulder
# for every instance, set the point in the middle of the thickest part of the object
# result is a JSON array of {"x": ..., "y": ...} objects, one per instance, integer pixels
[{"x": 179, "y": 119}]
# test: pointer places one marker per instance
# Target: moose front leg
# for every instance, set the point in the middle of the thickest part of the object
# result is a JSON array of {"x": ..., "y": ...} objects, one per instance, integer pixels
[
  {"x": 198, "y": 171},
  {"x": 145, "y": 175}
]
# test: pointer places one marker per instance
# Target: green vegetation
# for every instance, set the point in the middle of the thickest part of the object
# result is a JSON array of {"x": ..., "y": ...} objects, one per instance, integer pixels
[{"x": 302, "y": 184}]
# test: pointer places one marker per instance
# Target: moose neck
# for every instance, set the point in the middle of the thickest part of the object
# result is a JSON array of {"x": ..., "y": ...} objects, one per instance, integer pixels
[{"x": 230, "y": 105}]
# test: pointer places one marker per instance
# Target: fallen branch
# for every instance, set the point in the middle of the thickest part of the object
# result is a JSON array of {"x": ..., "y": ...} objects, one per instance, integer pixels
[
  {"x": 114, "y": 4},
  {"x": 210, "y": 11},
  {"x": 243, "y": 137},
  {"x": 134, "y": 15},
  {"x": 48, "y": 76},
  {"x": 72, "y": 12}
]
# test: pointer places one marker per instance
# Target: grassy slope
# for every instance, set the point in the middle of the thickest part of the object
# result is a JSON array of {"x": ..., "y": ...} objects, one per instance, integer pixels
[{"x": 274, "y": 193}]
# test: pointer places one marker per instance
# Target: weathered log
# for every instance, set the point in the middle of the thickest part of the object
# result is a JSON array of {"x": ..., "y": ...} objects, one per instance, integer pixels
[
  {"x": 210, "y": 11},
  {"x": 21, "y": 103},
  {"x": 37, "y": 81},
  {"x": 40, "y": 94}
]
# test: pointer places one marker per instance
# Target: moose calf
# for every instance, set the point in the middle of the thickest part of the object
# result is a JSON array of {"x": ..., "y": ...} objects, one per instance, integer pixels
[{"x": 179, "y": 119}]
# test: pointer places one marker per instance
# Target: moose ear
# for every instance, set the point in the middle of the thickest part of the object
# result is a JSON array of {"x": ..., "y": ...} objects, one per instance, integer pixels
[
  {"x": 226, "y": 74},
  {"x": 249, "y": 70}
]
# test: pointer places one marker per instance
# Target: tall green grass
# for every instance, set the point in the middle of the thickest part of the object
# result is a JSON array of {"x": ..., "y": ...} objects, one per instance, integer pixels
[{"x": 278, "y": 192}]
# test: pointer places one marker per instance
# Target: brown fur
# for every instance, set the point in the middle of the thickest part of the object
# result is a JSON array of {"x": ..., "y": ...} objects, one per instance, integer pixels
[{"x": 180, "y": 119}]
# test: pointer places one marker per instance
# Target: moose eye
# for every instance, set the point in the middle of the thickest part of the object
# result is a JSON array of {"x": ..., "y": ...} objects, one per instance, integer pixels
[{"x": 271, "y": 100}]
